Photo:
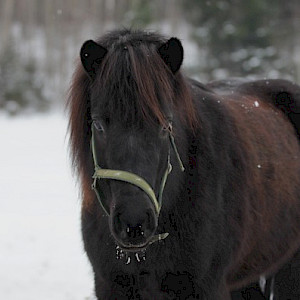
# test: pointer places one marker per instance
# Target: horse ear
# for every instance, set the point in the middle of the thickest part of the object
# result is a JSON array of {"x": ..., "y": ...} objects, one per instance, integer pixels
[
  {"x": 91, "y": 55},
  {"x": 172, "y": 54}
]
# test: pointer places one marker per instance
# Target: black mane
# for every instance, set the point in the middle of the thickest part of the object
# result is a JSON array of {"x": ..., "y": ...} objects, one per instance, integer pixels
[{"x": 133, "y": 84}]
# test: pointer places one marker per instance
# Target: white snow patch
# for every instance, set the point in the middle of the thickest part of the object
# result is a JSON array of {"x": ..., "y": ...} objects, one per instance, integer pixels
[{"x": 41, "y": 252}]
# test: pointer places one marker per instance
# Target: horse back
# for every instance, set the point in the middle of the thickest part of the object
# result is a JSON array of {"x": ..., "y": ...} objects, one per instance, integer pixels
[{"x": 264, "y": 124}]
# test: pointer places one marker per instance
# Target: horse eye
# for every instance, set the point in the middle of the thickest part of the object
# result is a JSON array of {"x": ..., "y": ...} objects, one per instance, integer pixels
[
  {"x": 98, "y": 125},
  {"x": 164, "y": 131}
]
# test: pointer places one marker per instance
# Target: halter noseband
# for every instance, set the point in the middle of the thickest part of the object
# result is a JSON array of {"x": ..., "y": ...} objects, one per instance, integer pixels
[{"x": 134, "y": 178}]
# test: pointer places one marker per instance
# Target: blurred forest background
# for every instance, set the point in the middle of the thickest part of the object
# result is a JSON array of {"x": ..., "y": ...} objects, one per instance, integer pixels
[{"x": 40, "y": 41}]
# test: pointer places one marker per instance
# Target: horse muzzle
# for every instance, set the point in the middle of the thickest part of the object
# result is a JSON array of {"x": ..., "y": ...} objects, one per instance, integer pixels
[{"x": 133, "y": 229}]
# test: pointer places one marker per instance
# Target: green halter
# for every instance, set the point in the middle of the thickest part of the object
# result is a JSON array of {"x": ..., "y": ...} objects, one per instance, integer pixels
[{"x": 134, "y": 179}]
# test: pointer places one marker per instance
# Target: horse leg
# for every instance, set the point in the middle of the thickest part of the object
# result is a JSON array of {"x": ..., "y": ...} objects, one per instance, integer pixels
[
  {"x": 269, "y": 288},
  {"x": 287, "y": 280},
  {"x": 284, "y": 285}
]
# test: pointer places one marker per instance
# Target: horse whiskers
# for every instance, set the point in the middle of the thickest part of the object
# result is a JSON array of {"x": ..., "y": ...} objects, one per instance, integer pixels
[
  {"x": 119, "y": 252},
  {"x": 139, "y": 256},
  {"x": 128, "y": 260}
]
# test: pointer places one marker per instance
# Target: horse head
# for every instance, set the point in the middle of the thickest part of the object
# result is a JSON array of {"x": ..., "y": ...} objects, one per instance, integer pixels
[{"x": 132, "y": 108}]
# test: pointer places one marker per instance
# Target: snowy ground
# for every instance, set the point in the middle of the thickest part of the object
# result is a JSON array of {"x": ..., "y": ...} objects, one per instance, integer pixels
[{"x": 41, "y": 253}]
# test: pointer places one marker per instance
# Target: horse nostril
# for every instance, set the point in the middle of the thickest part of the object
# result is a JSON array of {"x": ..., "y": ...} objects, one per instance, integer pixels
[{"x": 135, "y": 231}]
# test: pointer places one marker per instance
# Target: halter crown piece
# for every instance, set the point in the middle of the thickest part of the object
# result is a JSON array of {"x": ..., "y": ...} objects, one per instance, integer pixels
[{"x": 134, "y": 179}]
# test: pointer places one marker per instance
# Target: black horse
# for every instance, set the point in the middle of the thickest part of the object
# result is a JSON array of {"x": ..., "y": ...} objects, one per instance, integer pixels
[{"x": 195, "y": 188}]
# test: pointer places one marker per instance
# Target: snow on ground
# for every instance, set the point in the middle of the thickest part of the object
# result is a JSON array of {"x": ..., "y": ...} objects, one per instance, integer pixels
[{"x": 41, "y": 252}]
